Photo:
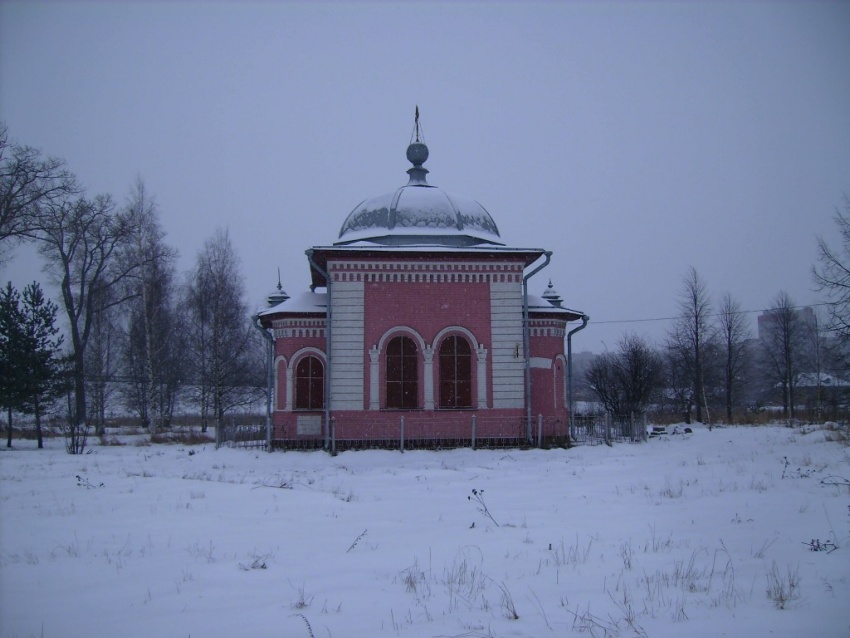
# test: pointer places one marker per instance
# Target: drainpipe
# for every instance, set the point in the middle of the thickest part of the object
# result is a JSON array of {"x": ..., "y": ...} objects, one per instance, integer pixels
[
  {"x": 526, "y": 330},
  {"x": 269, "y": 379},
  {"x": 322, "y": 272},
  {"x": 584, "y": 320}
]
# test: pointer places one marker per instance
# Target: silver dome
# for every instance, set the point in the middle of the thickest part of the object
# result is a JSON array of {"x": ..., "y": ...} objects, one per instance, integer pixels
[{"x": 419, "y": 214}]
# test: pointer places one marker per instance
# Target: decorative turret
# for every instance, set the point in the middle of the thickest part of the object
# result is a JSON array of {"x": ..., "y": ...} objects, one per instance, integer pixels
[
  {"x": 279, "y": 295},
  {"x": 551, "y": 295}
]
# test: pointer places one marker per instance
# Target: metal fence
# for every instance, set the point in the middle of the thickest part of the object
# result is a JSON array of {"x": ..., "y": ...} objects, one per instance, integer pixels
[
  {"x": 410, "y": 432},
  {"x": 247, "y": 436},
  {"x": 607, "y": 428},
  {"x": 470, "y": 430}
]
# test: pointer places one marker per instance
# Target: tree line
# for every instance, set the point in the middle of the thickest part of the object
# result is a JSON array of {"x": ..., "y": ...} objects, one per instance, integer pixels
[
  {"x": 711, "y": 368},
  {"x": 128, "y": 315},
  {"x": 172, "y": 339}
]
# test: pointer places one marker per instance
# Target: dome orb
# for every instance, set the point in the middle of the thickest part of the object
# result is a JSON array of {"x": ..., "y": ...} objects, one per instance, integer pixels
[{"x": 417, "y": 153}]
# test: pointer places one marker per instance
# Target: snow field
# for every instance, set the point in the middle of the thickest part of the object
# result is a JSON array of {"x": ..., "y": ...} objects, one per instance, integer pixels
[{"x": 702, "y": 534}]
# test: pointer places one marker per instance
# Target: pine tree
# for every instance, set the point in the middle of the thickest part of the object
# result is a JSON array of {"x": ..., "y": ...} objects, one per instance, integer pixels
[
  {"x": 31, "y": 366},
  {"x": 11, "y": 348},
  {"x": 45, "y": 367}
]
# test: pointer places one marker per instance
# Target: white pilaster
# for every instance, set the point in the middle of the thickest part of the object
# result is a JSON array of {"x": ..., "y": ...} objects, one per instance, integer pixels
[
  {"x": 428, "y": 353},
  {"x": 374, "y": 378},
  {"x": 482, "y": 377}
]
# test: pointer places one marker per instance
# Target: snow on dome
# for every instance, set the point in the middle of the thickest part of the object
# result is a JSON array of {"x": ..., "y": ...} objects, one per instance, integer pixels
[{"x": 418, "y": 214}]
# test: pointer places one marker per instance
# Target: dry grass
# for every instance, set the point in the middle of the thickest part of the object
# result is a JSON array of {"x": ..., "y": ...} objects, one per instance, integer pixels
[
  {"x": 837, "y": 432},
  {"x": 184, "y": 437},
  {"x": 782, "y": 589},
  {"x": 107, "y": 440}
]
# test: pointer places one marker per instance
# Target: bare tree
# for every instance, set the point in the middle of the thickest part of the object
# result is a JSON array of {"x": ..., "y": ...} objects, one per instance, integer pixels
[
  {"x": 81, "y": 240},
  {"x": 781, "y": 333},
  {"x": 626, "y": 381},
  {"x": 26, "y": 180},
  {"x": 690, "y": 337},
  {"x": 815, "y": 360},
  {"x": 221, "y": 333},
  {"x": 833, "y": 276},
  {"x": 734, "y": 333},
  {"x": 678, "y": 374},
  {"x": 101, "y": 359},
  {"x": 152, "y": 353},
  {"x": 603, "y": 381}
]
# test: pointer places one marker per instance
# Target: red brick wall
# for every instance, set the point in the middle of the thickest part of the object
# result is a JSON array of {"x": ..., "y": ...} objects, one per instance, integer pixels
[
  {"x": 420, "y": 424},
  {"x": 547, "y": 384},
  {"x": 427, "y": 308}
]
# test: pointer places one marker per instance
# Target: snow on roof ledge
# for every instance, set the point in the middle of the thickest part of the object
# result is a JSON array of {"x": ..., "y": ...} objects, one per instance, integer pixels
[{"x": 305, "y": 302}]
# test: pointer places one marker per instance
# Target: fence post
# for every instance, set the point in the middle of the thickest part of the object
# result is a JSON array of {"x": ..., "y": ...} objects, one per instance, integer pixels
[
  {"x": 269, "y": 428},
  {"x": 608, "y": 427},
  {"x": 401, "y": 443},
  {"x": 539, "y": 430},
  {"x": 473, "y": 431}
]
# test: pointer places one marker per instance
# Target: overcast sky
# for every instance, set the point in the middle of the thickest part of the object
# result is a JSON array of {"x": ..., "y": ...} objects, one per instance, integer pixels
[{"x": 633, "y": 140}]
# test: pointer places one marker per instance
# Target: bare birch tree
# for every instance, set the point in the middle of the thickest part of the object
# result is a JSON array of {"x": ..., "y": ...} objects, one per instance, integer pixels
[
  {"x": 691, "y": 334},
  {"x": 815, "y": 358},
  {"x": 101, "y": 357},
  {"x": 781, "y": 332},
  {"x": 220, "y": 332},
  {"x": 152, "y": 353},
  {"x": 833, "y": 276},
  {"x": 734, "y": 333}
]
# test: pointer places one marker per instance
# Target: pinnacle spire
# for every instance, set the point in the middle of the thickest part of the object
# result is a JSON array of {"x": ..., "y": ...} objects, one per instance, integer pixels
[
  {"x": 417, "y": 154},
  {"x": 417, "y": 137}
]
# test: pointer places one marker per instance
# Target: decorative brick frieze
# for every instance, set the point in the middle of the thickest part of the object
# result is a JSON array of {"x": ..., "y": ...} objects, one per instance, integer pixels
[
  {"x": 298, "y": 327},
  {"x": 434, "y": 272}
]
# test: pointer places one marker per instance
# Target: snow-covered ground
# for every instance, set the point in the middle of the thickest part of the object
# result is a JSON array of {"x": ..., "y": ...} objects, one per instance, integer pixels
[{"x": 699, "y": 535}]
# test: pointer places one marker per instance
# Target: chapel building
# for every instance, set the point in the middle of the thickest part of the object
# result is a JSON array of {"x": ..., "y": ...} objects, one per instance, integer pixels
[{"x": 418, "y": 330}]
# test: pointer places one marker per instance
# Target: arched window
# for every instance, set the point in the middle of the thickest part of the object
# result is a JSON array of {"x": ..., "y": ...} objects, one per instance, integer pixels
[
  {"x": 455, "y": 373},
  {"x": 309, "y": 384},
  {"x": 402, "y": 373}
]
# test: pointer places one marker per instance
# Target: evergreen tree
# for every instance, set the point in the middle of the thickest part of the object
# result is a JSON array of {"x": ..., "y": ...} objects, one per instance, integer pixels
[
  {"x": 30, "y": 362},
  {"x": 45, "y": 369},
  {"x": 11, "y": 345}
]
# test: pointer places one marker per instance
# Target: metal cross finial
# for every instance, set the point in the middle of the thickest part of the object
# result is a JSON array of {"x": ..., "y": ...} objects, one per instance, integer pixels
[{"x": 417, "y": 131}]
